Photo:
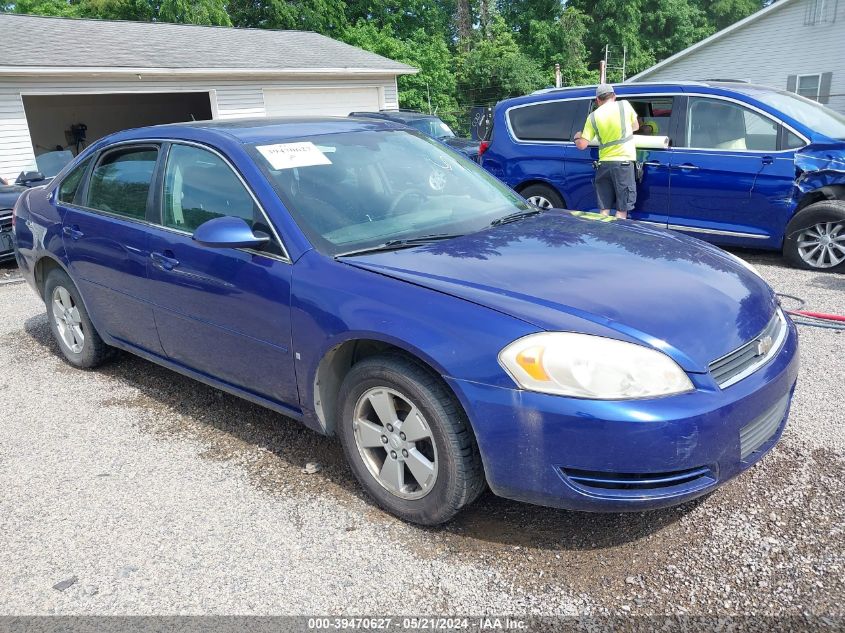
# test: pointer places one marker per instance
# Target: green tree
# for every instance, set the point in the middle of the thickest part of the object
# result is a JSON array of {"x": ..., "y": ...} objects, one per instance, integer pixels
[
  {"x": 430, "y": 90},
  {"x": 323, "y": 16},
  {"x": 405, "y": 18},
  {"x": 562, "y": 41},
  {"x": 723, "y": 13},
  {"x": 494, "y": 67},
  {"x": 194, "y": 12}
]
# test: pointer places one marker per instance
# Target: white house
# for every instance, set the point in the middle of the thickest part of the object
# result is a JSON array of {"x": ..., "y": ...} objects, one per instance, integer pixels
[
  {"x": 58, "y": 74},
  {"x": 796, "y": 45}
]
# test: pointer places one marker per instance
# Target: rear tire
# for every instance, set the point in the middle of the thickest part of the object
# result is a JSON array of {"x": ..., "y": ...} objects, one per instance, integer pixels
[
  {"x": 543, "y": 197},
  {"x": 426, "y": 475},
  {"x": 78, "y": 340},
  {"x": 815, "y": 237}
]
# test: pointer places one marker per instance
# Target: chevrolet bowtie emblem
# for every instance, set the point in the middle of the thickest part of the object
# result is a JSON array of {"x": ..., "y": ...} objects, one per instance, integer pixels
[{"x": 764, "y": 345}]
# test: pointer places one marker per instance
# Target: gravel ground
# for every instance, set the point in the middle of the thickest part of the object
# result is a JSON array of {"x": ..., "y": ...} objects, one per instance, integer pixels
[{"x": 132, "y": 490}]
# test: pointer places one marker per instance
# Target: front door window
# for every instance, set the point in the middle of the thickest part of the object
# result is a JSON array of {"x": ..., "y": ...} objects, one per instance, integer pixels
[{"x": 722, "y": 125}]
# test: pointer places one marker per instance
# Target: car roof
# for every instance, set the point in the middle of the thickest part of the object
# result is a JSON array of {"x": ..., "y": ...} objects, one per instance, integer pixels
[
  {"x": 257, "y": 130},
  {"x": 396, "y": 115},
  {"x": 646, "y": 87}
]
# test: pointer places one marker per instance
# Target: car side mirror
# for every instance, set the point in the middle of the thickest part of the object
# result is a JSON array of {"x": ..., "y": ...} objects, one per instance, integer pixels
[
  {"x": 28, "y": 177},
  {"x": 228, "y": 232}
]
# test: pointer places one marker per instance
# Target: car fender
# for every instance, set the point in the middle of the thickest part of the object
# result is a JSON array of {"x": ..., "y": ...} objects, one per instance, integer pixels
[{"x": 333, "y": 303}]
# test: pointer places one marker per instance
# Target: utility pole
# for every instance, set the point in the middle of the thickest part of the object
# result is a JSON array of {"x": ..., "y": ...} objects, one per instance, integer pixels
[{"x": 558, "y": 80}]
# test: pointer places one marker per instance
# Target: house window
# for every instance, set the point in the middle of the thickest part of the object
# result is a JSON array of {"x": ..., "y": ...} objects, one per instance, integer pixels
[{"x": 808, "y": 86}]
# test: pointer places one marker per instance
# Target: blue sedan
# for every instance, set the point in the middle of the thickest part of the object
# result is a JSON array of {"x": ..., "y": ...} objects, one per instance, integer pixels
[{"x": 360, "y": 277}]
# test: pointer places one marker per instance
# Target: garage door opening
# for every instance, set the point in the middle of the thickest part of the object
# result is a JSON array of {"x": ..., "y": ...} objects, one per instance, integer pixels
[{"x": 55, "y": 121}]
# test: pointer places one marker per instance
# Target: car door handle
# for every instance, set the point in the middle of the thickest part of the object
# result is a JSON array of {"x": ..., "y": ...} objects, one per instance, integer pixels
[
  {"x": 72, "y": 232},
  {"x": 163, "y": 262},
  {"x": 687, "y": 166},
  {"x": 653, "y": 163},
  {"x": 768, "y": 160}
]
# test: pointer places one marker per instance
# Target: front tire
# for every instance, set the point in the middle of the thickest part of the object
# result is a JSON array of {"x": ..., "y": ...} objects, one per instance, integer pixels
[
  {"x": 407, "y": 440},
  {"x": 79, "y": 341},
  {"x": 815, "y": 237}
]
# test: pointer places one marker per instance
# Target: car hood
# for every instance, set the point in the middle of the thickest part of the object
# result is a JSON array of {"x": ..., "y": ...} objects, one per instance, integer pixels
[{"x": 625, "y": 280}]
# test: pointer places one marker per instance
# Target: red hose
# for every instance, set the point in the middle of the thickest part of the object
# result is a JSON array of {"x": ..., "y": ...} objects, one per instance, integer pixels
[{"x": 820, "y": 315}]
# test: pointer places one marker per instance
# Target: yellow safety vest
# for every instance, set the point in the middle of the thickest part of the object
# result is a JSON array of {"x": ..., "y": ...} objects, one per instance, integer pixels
[{"x": 609, "y": 125}]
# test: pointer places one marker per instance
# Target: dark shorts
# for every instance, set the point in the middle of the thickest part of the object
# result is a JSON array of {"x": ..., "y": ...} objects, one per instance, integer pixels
[{"x": 616, "y": 185}]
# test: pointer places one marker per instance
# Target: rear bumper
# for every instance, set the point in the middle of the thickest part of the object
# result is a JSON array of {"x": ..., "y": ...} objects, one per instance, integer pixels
[{"x": 630, "y": 455}]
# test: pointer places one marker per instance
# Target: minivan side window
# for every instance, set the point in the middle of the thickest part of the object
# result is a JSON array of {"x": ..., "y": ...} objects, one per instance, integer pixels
[
  {"x": 70, "y": 185},
  {"x": 653, "y": 114},
  {"x": 120, "y": 183},
  {"x": 550, "y": 121},
  {"x": 199, "y": 186},
  {"x": 717, "y": 124}
]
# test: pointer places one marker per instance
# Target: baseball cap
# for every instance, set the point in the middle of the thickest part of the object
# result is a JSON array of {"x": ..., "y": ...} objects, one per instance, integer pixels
[{"x": 604, "y": 89}]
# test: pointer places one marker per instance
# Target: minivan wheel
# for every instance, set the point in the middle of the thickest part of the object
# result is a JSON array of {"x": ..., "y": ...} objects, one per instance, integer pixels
[
  {"x": 542, "y": 197},
  {"x": 815, "y": 237},
  {"x": 80, "y": 343},
  {"x": 407, "y": 440}
]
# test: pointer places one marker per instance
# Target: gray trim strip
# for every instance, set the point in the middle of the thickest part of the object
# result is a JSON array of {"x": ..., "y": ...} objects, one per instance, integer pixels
[{"x": 696, "y": 229}]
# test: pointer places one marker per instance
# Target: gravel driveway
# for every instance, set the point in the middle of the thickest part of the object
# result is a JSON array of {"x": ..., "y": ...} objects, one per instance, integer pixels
[{"x": 134, "y": 490}]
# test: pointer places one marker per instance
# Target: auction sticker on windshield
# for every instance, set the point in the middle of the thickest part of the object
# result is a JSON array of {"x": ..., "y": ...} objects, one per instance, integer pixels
[{"x": 289, "y": 155}]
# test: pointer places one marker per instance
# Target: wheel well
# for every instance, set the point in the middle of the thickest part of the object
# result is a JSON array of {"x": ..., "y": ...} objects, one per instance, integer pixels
[
  {"x": 829, "y": 192},
  {"x": 523, "y": 186},
  {"x": 337, "y": 363},
  {"x": 43, "y": 267}
]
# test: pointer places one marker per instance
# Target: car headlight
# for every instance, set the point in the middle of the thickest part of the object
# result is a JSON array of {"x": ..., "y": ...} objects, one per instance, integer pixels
[{"x": 585, "y": 366}]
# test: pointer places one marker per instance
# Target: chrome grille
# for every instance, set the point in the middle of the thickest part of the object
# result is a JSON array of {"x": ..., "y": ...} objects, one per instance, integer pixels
[
  {"x": 745, "y": 360},
  {"x": 753, "y": 435}
]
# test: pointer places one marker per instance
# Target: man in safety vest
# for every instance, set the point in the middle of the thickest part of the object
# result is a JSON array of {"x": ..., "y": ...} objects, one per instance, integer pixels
[{"x": 612, "y": 124}]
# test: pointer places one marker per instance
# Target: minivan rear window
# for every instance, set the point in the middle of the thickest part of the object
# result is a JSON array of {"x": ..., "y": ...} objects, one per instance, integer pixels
[{"x": 550, "y": 121}]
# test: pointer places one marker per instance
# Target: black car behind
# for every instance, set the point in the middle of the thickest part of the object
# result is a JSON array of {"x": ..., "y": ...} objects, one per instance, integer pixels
[{"x": 428, "y": 124}]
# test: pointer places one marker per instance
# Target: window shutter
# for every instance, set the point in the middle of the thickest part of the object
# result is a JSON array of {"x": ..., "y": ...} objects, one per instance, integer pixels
[
  {"x": 824, "y": 87},
  {"x": 791, "y": 82}
]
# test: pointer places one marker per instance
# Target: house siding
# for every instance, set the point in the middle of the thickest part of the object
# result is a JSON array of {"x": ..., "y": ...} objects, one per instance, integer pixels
[
  {"x": 230, "y": 99},
  {"x": 770, "y": 49}
]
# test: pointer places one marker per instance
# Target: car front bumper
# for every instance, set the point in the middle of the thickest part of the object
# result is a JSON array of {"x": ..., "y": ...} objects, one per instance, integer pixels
[
  {"x": 7, "y": 247},
  {"x": 614, "y": 456}
]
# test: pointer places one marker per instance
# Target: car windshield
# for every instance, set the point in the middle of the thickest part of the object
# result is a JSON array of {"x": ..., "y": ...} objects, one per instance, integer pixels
[
  {"x": 432, "y": 127},
  {"x": 356, "y": 190},
  {"x": 810, "y": 113}
]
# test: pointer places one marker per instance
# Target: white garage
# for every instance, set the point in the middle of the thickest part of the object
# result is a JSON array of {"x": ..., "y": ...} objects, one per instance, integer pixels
[
  {"x": 54, "y": 96},
  {"x": 315, "y": 101}
]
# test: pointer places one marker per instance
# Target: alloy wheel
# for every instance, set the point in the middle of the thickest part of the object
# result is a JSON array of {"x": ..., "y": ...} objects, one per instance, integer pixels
[
  {"x": 823, "y": 245},
  {"x": 540, "y": 202},
  {"x": 68, "y": 320},
  {"x": 395, "y": 442}
]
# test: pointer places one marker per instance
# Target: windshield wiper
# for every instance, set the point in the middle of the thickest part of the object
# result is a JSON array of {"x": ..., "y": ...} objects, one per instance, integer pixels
[
  {"x": 514, "y": 217},
  {"x": 393, "y": 245}
]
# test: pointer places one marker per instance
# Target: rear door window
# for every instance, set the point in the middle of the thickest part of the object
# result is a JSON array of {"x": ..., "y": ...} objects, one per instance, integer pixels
[
  {"x": 120, "y": 183},
  {"x": 550, "y": 121}
]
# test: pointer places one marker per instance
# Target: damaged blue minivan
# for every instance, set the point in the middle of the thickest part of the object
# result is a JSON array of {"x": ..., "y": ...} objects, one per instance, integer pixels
[{"x": 747, "y": 165}]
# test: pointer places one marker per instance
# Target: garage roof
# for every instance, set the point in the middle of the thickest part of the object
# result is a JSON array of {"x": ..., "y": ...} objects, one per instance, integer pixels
[{"x": 48, "y": 44}]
